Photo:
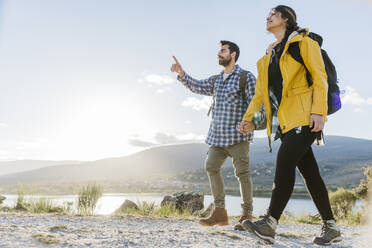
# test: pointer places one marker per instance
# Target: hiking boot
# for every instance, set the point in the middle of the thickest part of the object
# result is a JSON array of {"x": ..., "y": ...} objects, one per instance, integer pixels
[
  {"x": 245, "y": 216},
  {"x": 218, "y": 217},
  {"x": 330, "y": 233},
  {"x": 263, "y": 228}
]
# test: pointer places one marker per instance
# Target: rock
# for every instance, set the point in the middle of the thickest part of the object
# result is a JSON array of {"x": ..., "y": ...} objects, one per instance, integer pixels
[
  {"x": 185, "y": 200},
  {"x": 205, "y": 212},
  {"x": 169, "y": 200},
  {"x": 127, "y": 204},
  {"x": 5, "y": 209},
  {"x": 2, "y": 198}
]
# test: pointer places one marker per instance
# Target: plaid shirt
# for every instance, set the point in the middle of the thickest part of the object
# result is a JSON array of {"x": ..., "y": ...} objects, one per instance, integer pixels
[
  {"x": 274, "y": 105},
  {"x": 228, "y": 105}
]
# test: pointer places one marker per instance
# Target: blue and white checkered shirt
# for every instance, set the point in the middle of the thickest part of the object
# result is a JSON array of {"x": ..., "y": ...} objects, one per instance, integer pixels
[{"x": 228, "y": 105}]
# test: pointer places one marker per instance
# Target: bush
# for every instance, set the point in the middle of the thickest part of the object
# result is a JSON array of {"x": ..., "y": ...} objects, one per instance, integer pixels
[
  {"x": 362, "y": 190},
  {"x": 88, "y": 198},
  {"x": 342, "y": 203}
]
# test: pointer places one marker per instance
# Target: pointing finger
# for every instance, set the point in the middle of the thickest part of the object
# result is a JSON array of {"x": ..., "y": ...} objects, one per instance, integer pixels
[{"x": 174, "y": 57}]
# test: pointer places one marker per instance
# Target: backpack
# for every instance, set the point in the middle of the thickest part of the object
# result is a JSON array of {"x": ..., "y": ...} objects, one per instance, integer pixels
[
  {"x": 260, "y": 123},
  {"x": 334, "y": 101}
]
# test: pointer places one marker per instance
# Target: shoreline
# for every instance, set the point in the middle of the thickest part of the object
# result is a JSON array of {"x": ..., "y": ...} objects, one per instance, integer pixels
[{"x": 258, "y": 194}]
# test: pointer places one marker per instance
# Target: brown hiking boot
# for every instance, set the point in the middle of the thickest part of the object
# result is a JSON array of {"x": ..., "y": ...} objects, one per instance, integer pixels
[
  {"x": 245, "y": 216},
  {"x": 218, "y": 217}
]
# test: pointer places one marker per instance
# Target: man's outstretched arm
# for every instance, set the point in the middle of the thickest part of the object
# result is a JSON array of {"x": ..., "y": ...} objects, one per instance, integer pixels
[{"x": 203, "y": 87}]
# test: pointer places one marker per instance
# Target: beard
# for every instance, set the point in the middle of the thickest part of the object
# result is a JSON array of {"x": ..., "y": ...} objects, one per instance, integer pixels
[{"x": 224, "y": 61}]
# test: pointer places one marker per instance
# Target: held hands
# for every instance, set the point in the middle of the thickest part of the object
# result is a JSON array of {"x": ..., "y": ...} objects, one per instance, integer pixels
[
  {"x": 177, "y": 68},
  {"x": 245, "y": 127},
  {"x": 316, "y": 123}
]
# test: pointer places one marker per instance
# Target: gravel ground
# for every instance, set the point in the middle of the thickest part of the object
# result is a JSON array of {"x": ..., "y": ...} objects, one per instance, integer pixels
[{"x": 44, "y": 230}]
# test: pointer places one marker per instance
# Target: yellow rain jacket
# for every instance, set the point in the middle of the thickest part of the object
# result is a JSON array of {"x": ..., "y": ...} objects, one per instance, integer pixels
[{"x": 299, "y": 100}]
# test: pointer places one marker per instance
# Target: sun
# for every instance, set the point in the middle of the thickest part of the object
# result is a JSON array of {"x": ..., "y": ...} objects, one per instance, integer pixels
[{"x": 100, "y": 128}]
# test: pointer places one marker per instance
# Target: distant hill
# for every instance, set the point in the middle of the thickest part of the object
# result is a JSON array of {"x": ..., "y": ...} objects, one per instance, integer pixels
[
  {"x": 156, "y": 161},
  {"x": 341, "y": 161},
  {"x": 9, "y": 167}
]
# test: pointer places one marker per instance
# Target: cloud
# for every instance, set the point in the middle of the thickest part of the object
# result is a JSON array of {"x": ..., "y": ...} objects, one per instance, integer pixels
[
  {"x": 159, "y": 80},
  {"x": 198, "y": 104},
  {"x": 165, "y": 139},
  {"x": 3, "y": 124},
  {"x": 191, "y": 137},
  {"x": 352, "y": 97},
  {"x": 163, "y": 90},
  {"x": 140, "y": 143}
]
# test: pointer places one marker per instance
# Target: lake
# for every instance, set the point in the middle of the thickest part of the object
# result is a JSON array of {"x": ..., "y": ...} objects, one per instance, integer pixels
[{"x": 108, "y": 203}]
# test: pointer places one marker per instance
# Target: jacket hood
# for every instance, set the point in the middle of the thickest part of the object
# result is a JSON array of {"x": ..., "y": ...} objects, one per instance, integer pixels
[
  {"x": 301, "y": 33},
  {"x": 298, "y": 35}
]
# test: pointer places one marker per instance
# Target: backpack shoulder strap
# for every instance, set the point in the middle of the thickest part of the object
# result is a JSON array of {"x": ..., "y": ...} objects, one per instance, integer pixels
[
  {"x": 242, "y": 84},
  {"x": 294, "y": 51},
  {"x": 213, "y": 82}
]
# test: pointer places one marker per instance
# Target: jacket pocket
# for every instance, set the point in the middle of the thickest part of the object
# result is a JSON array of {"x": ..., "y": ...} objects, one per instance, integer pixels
[
  {"x": 306, "y": 102},
  {"x": 299, "y": 91}
]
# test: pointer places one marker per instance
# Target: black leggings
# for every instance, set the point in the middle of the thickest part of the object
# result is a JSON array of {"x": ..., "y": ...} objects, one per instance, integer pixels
[{"x": 295, "y": 150}]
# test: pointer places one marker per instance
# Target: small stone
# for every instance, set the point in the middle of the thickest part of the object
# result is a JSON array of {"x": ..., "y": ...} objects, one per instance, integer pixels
[{"x": 126, "y": 205}]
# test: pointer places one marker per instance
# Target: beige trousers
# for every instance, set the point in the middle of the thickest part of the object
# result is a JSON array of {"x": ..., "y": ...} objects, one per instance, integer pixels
[{"x": 240, "y": 157}]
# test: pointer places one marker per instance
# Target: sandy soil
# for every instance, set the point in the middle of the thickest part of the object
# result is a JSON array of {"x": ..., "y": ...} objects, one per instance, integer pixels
[{"x": 44, "y": 230}]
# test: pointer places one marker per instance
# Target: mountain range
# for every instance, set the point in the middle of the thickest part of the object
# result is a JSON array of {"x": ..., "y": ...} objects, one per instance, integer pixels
[{"x": 342, "y": 162}]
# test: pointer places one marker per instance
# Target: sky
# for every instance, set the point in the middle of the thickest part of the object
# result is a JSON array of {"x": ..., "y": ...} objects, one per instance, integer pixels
[{"x": 90, "y": 79}]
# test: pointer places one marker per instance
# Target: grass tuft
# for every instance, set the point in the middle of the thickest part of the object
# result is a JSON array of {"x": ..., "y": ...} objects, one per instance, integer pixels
[
  {"x": 229, "y": 235},
  {"x": 303, "y": 218},
  {"x": 88, "y": 198},
  {"x": 41, "y": 205},
  {"x": 150, "y": 209},
  {"x": 21, "y": 204},
  {"x": 46, "y": 239},
  {"x": 289, "y": 235},
  {"x": 57, "y": 228}
]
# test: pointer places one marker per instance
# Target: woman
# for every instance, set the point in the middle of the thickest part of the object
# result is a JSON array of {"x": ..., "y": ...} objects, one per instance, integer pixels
[{"x": 296, "y": 114}]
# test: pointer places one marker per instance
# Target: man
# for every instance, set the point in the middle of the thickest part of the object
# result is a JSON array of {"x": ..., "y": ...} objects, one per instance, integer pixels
[{"x": 229, "y": 105}]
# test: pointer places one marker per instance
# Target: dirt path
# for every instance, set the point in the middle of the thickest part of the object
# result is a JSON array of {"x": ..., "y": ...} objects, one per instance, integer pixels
[{"x": 31, "y": 230}]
